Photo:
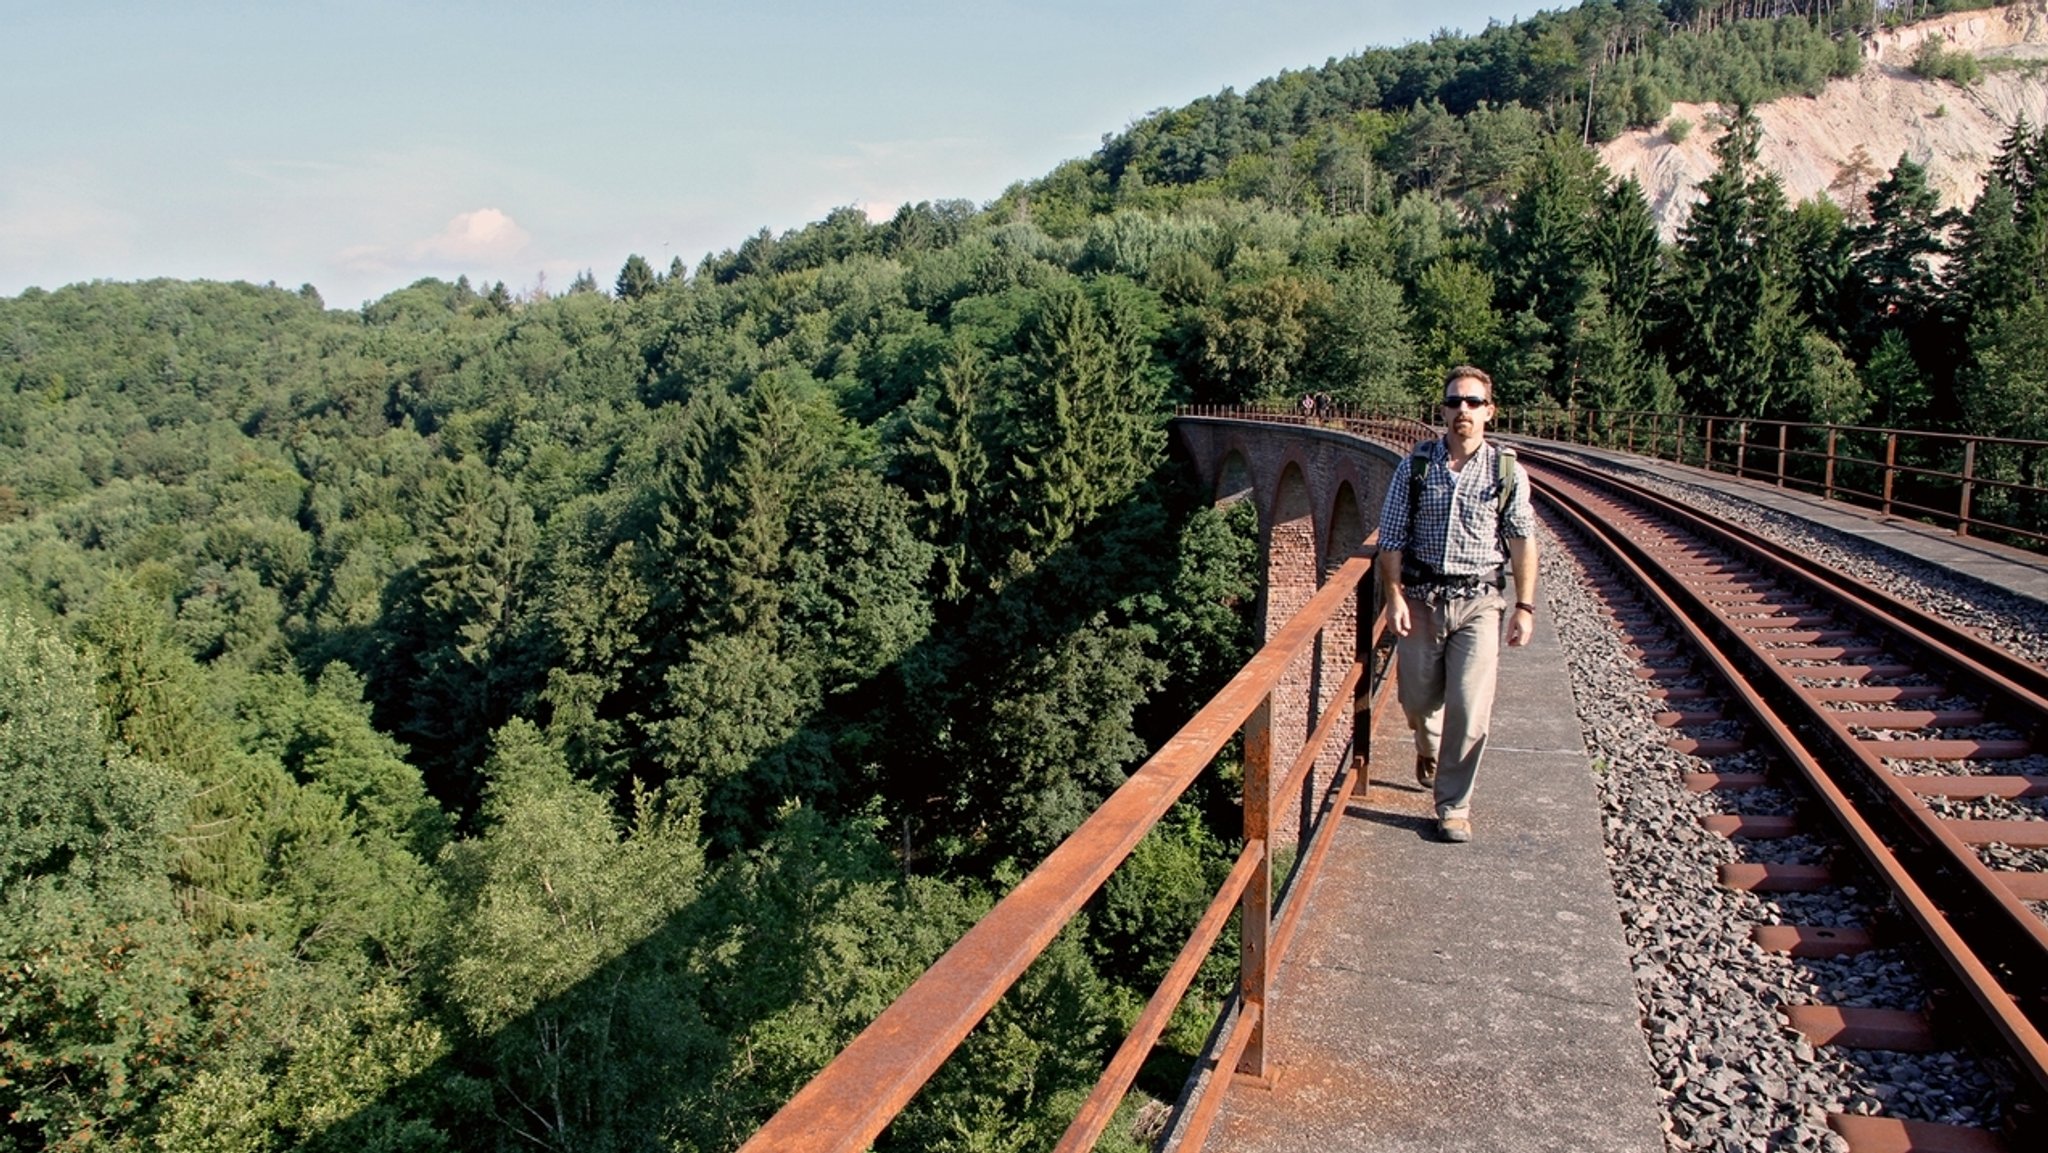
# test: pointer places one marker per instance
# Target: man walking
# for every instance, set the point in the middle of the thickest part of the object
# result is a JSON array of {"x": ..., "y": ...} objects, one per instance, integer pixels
[{"x": 1455, "y": 525}]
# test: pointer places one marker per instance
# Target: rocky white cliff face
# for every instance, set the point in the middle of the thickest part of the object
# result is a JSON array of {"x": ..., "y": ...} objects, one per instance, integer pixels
[{"x": 1808, "y": 141}]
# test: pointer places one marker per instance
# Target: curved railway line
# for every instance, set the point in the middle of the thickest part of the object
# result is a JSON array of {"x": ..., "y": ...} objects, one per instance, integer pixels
[{"x": 1916, "y": 752}]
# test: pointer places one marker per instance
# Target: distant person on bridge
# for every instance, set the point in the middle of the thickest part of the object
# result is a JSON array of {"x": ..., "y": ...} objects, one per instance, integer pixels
[{"x": 1456, "y": 525}]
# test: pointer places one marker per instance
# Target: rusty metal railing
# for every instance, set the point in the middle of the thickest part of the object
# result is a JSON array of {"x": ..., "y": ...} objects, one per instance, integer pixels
[
  {"x": 855, "y": 1097},
  {"x": 1977, "y": 485},
  {"x": 1398, "y": 432}
]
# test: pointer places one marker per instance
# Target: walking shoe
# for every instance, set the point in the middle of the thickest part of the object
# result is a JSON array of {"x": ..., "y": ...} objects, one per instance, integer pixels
[
  {"x": 1425, "y": 771},
  {"x": 1455, "y": 830}
]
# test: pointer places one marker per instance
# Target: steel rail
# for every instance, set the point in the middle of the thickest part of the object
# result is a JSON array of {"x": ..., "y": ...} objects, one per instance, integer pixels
[
  {"x": 2018, "y": 683},
  {"x": 2019, "y": 679},
  {"x": 1620, "y": 428},
  {"x": 2022, "y": 1036},
  {"x": 861, "y": 1090}
]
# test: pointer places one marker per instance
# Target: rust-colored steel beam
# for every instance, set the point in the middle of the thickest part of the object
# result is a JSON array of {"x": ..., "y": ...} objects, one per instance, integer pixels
[
  {"x": 855, "y": 1097},
  {"x": 1893, "y": 1135},
  {"x": 1312, "y": 749},
  {"x": 1255, "y": 910},
  {"x": 1856, "y": 1027},
  {"x": 1204, "y": 1116},
  {"x": 1100, "y": 1108}
]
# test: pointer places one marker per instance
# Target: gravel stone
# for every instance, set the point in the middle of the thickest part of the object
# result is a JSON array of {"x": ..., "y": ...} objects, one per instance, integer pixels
[{"x": 1734, "y": 1076}]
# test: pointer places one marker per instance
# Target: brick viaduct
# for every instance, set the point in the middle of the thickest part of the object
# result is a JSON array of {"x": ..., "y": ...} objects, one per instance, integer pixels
[{"x": 1317, "y": 492}]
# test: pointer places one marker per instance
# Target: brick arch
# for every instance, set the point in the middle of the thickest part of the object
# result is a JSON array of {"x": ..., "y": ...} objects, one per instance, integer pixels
[
  {"x": 1349, "y": 525},
  {"x": 1234, "y": 479},
  {"x": 1318, "y": 493},
  {"x": 1287, "y": 530},
  {"x": 1345, "y": 476},
  {"x": 1293, "y": 573},
  {"x": 1339, "y": 646}
]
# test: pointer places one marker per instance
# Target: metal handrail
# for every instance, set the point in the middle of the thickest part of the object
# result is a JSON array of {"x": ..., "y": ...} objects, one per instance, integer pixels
[
  {"x": 862, "y": 1090},
  {"x": 1944, "y": 475}
]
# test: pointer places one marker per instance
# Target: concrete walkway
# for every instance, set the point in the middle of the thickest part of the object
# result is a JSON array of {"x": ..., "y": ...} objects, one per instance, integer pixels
[
  {"x": 1478, "y": 997},
  {"x": 1462, "y": 997}
]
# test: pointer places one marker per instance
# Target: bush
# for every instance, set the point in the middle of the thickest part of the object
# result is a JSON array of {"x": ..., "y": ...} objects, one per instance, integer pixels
[
  {"x": 1935, "y": 62},
  {"x": 1678, "y": 130}
]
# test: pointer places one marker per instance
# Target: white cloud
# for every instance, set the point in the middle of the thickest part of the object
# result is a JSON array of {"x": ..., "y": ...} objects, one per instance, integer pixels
[
  {"x": 482, "y": 240},
  {"x": 483, "y": 234}
]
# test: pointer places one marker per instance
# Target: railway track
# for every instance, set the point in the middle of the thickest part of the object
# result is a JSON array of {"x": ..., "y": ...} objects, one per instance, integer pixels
[{"x": 1917, "y": 750}]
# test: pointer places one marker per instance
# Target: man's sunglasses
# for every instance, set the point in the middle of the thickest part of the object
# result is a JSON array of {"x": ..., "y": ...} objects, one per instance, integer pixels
[{"x": 1465, "y": 402}]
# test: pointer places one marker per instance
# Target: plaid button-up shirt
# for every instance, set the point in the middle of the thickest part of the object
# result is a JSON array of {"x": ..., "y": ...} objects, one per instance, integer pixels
[{"x": 1458, "y": 524}]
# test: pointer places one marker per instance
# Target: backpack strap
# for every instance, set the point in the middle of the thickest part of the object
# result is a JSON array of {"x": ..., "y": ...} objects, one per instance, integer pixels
[
  {"x": 1505, "y": 499},
  {"x": 1418, "y": 471}
]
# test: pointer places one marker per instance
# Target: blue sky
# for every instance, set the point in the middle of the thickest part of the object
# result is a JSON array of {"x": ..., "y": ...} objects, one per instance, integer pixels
[{"x": 359, "y": 146}]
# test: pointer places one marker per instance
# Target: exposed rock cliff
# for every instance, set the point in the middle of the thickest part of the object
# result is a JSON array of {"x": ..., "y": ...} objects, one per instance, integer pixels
[{"x": 1888, "y": 111}]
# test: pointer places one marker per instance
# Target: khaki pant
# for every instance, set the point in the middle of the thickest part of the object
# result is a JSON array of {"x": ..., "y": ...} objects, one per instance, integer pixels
[{"x": 1447, "y": 666}]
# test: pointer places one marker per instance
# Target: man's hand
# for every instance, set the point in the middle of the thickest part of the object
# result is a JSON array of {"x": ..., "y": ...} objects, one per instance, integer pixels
[
  {"x": 1521, "y": 627},
  {"x": 1397, "y": 615}
]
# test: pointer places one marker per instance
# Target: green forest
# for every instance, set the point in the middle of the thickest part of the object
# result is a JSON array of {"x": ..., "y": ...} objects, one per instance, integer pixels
[{"x": 491, "y": 721}]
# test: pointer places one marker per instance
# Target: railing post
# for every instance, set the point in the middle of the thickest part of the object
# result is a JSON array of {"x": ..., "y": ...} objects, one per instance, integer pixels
[
  {"x": 1707, "y": 449},
  {"x": 1781, "y": 454},
  {"x": 1969, "y": 486},
  {"x": 1255, "y": 921},
  {"x": 1828, "y": 486},
  {"x": 1891, "y": 460},
  {"x": 1741, "y": 448},
  {"x": 1631, "y": 432}
]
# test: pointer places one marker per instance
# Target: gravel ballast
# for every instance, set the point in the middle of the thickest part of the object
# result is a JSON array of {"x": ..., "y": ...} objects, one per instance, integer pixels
[{"x": 1734, "y": 1076}]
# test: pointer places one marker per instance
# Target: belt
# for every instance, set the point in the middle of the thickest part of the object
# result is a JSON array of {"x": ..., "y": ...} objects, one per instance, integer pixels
[
  {"x": 1439, "y": 587},
  {"x": 1422, "y": 575}
]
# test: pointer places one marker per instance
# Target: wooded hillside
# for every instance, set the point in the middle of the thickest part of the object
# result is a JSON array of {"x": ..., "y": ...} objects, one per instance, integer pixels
[{"x": 484, "y": 721}]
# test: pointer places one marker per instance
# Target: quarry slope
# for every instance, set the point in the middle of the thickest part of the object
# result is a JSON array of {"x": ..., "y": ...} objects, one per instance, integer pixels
[{"x": 1953, "y": 131}]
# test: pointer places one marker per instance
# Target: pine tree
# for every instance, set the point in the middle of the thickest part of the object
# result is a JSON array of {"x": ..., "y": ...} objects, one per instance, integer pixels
[
  {"x": 636, "y": 279},
  {"x": 2002, "y": 252},
  {"x": 1819, "y": 243},
  {"x": 450, "y": 664},
  {"x": 1736, "y": 334},
  {"x": 1085, "y": 429},
  {"x": 1628, "y": 252},
  {"x": 948, "y": 465},
  {"x": 1896, "y": 255},
  {"x": 154, "y": 697},
  {"x": 1544, "y": 252}
]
